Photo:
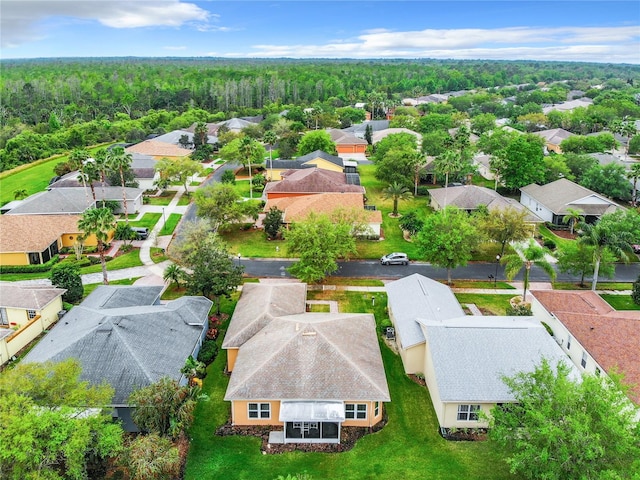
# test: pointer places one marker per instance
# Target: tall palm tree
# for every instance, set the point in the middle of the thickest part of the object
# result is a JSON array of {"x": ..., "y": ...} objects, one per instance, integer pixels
[
  {"x": 77, "y": 157},
  {"x": 120, "y": 161},
  {"x": 449, "y": 162},
  {"x": 396, "y": 191},
  {"x": 270, "y": 138},
  {"x": 572, "y": 217},
  {"x": 602, "y": 237},
  {"x": 99, "y": 222},
  {"x": 88, "y": 174},
  {"x": 102, "y": 167},
  {"x": 633, "y": 174},
  {"x": 526, "y": 256}
]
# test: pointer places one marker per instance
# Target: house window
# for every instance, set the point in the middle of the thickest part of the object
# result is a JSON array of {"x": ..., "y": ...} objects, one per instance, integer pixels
[
  {"x": 355, "y": 411},
  {"x": 468, "y": 413},
  {"x": 569, "y": 342},
  {"x": 259, "y": 410},
  {"x": 583, "y": 362},
  {"x": 31, "y": 314},
  {"x": 376, "y": 409}
]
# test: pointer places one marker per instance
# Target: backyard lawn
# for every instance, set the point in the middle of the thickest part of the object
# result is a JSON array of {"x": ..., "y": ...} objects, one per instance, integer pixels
[
  {"x": 488, "y": 304},
  {"x": 148, "y": 220},
  {"x": 620, "y": 302},
  {"x": 163, "y": 199},
  {"x": 408, "y": 447}
]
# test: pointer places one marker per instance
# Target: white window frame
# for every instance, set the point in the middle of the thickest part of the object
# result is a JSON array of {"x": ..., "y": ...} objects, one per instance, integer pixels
[
  {"x": 583, "y": 362},
  {"x": 466, "y": 412},
  {"x": 260, "y": 410},
  {"x": 376, "y": 409},
  {"x": 355, "y": 411}
]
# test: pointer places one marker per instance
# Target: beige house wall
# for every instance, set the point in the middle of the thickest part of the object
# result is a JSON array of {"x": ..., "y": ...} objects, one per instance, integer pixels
[
  {"x": 325, "y": 165},
  {"x": 412, "y": 357},
  {"x": 18, "y": 258},
  {"x": 450, "y": 417}
]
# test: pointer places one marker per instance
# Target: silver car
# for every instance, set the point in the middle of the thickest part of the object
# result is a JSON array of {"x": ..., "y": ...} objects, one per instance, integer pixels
[{"x": 395, "y": 258}]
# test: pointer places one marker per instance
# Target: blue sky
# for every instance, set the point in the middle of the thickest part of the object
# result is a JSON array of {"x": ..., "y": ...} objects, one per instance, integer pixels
[{"x": 599, "y": 31}]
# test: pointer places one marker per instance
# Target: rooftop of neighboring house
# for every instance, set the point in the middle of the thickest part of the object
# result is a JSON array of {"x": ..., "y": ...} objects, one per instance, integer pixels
[
  {"x": 471, "y": 355},
  {"x": 298, "y": 208},
  {"x": 123, "y": 336},
  {"x": 34, "y": 233},
  {"x": 554, "y": 136},
  {"x": 303, "y": 161},
  {"x": 157, "y": 148},
  {"x": 359, "y": 129},
  {"x": 610, "y": 336},
  {"x": 562, "y": 194},
  {"x": 28, "y": 297},
  {"x": 568, "y": 105},
  {"x": 379, "y": 135},
  {"x": 340, "y": 137},
  {"x": 312, "y": 180},
  {"x": 71, "y": 200}
]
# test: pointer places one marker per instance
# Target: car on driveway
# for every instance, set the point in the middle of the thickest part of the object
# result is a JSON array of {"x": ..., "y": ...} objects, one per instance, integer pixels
[{"x": 395, "y": 258}]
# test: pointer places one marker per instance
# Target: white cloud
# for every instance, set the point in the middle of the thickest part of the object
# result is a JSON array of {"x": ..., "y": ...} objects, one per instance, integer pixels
[
  {"x": 20, "y": 18},
  {"x": 598, "y": 44},
  {"x": 176, "y": 48}
]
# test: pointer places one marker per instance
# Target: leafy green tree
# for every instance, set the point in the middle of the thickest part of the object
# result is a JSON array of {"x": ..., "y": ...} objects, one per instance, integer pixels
[
  {"x": 396, "y": 192},
  {"x": 609, "y": 180},
  {"x": 434, "y": 143},
  {"x": 211, "y": 270},
  {"x": 395, "y": 141},
  {"x": 99, "y": 222},
  {"x": 228, "y": 177},
  {"x": 67, "y": 275},
  {"x": 635, "y": 292},
  {"x": 319, "y": 242},
  {"x": 368, "y": 134},
  {"x": 573, "y": 216},
  {"x": 523, "y": 162},
  {"x": 399, "y": 166},
  {"x": 576, "y": 258},
  {"x": 525, "y": 257},
  {"x": 633, "y": 146},
  {"x": 42, "y": 434},
  {"x": 634, "y": 174},
  {"x": 151, "y": 457},
  {"x": 173, "y": 273},
  {"x": 556, "y": 168},
  {"x": 561, "y": 428},
  {"x": 164, "y": 407},
  {"x": 316, "y": 140},
  {"x": 505, "y": 225},
  {"x": 179, "y": 170},
  {"x": 252, "y": 153},
  {"x": 483, "y": 122},
  {"x": 221, "y": 205},
  {"x": 447, "y": 239},
  {"x": 273, "y": 222},
  {"x": 604, "y": 236},
  {"x": 579, "y": 164},
  {"x": 411, "y": 223}
]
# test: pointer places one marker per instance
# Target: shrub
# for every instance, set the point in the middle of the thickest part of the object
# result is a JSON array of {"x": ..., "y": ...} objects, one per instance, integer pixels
[
  {"x": 423, "y": 190},
  {"x": 94, "y": 260},
  {"x": 228, "y": 177},
  {"x": 550, "y": 244},
  {"x": 43, "y": 267},
  {"x": 519, "y": 310},
  {"x": 411, "y": 223},
  {"x": 67, "y": 275},
  {"x": 635, "y": 292},
  {"x": 208, "y": 352}
]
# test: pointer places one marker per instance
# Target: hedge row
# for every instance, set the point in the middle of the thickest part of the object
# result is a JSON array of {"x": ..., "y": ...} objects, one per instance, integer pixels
[{"x": 43, "y": 267}]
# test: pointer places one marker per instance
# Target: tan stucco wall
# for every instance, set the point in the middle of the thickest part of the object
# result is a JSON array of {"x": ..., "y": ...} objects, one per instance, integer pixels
[
  {"x": 240, "y": 413},
  {"x": 69, "y": 239},
  {"x": 232, "y": 354},
  {"x": 322, "y": 163},
  {"x": 413, "y": 358},
  {"x": 14, "y": 259},
  {"x": 371, "y": 418},
  {"x": 451, "y": 416}
]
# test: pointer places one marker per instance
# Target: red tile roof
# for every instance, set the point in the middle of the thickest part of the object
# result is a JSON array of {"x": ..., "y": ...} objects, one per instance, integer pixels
[{"x": 612, "y": 337}]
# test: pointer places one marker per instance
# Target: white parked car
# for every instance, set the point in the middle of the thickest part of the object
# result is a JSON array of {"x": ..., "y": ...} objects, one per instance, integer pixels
[{"x": 395, "y": 258}]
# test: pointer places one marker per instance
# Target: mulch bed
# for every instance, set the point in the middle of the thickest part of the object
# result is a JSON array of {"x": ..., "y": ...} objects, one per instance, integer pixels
[
  {"x": 418, "y": 380},
  {"x": 348, "y": 438},
  {"x": 465, "y": 434}
]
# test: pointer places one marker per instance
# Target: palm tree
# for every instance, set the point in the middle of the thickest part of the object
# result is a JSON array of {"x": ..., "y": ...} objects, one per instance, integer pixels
[
  {"x": 88, "y": 174},
  {"x": 633, "y": 174},
  {"x": 174, "y": 274},
  {"x": 450, "y": 161},
  {"x": 99, "y": 222},
  {"x": 101, "y": 166},
  {"x": 396, "y": 191},
  {"x": 20, "y": 193},
  {"x": 527, "y": 256},
  {"x": 119, "y": 160},
  {"x": 572, "y": 217},
  {"x": 600, "y": 236},
  {"x": 270, "y": 138},
  {"x": 418, "y": 161},
  {"x": 77, "y": 159}
]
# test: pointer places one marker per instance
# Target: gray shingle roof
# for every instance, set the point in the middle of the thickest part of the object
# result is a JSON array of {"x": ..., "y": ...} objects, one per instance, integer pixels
[
  {"x": 175, "y": 135},
  {"x": 471, "y": 355},
  {"x": 28, "y": 297},
  {"x": 359, "y": 129},
  {"x": 414, "y": 297},
  {"x": 121, "y": 337},
  {"x": 554, "y": 136},
  {"x": 311, "y": 356}
]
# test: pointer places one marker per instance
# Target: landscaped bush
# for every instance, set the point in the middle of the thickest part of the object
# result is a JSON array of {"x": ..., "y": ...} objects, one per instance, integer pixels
[
  {"x": 83, "y": 262},
  {"x": 94, "y": 260},
  {"x": 43, "y": 267},
  {"x": 635, "y": 293},
  {"x": 208, "y": 352},
  {"x": 550, "y": 244},
  {"x": 519, "y": 310},
  {"x": 228, "y": 177},
  {"x": 423, "y": 190}
]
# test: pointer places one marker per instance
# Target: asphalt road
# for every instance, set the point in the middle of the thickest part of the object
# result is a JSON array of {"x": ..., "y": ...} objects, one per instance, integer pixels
[{"x": 473, "y": 271}]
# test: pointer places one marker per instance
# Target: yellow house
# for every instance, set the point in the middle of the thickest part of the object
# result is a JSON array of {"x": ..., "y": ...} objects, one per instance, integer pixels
[
  {"x": 35, "y": 239},
  {"x": 463, "y": 358},
  {"x": 25, "y": 312},
  {"x": 306, "y": 374},
  {"x": 318, "y": 159}
]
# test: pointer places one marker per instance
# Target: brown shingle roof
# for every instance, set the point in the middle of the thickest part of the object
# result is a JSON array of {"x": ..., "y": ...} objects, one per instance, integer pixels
[
  {"x": 312, "y": 180},
  {"x": 612, "y": 337},
  {"x": 34, "y": 233},
  {"x": 345, "y": 138},
  {"x": 158, "y": 149},
  {"x": 299, "y": 208},
  {"x": 28, "y": 297}
]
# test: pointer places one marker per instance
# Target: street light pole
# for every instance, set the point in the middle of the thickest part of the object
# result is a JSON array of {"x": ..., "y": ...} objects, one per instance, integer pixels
[
  {"x": 164, "y": 220},
  {"x": 239, "y": 260},
  {"x": 495, "y": 278}
]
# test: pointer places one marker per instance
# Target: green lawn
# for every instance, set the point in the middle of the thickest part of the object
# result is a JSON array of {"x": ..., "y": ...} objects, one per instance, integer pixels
[
  {"x": 158, "y": 255},
  {"x": 587, "y": 285},
  {"x": 359, "y": 282},
  {"x": 171, "y": 224},
  {"x": 481, "y": 284},
  {"x": 620, "y": 302},
  {"x": 242, "y": 188},
  {"x": 184, "y": 200},
  {"x": 549, "y": 235},
  {"x": 162, "y": 200},
  {"x": 408, "y": 447},
  {"x": 489, "y": 304},
  {"x": 148, "y": 220},
  {"x": 129, "y": 259}
]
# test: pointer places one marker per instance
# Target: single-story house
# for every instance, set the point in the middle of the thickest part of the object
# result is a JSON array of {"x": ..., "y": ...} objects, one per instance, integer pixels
[
  {"x": 552, "y": 201},
  {"x": 159, "y": 150},
  {"x": 596, "y": 337},
  {"x": 35, "y": 239},
  {"x": 553, "y": 138},
  {"x": 298, "y": 208},
  {"x": 310, "y": 181},
  {"x": 470, "y": 197},
  {"x": 482, "y": 161},
  {"x": 123, "y": 336},
  {"x": 25, "y": 312},
  {"x": 346, "y": 142},
  {"x": 317, "y": 159},
  {"x": 462, "y": 358},
  {"x": 75, "y": 200},
  {"x": 359, "y": 129},
  {"x": 175, "y": 136},
  {"x": 379, "y": 135},
  {"x": 473, "y": 138},
  {"x": 433, "y": 98},
  {"x": 569, "y": 105},
  {"x": 232, "y": 125},
  {"x": 307, "y": 374}
]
